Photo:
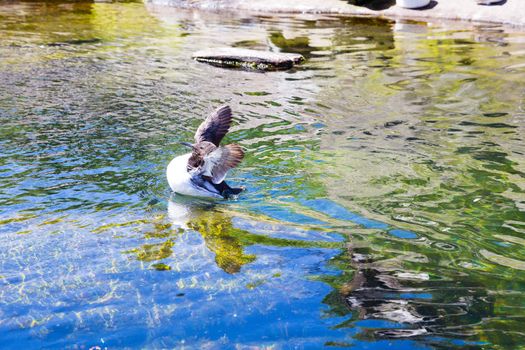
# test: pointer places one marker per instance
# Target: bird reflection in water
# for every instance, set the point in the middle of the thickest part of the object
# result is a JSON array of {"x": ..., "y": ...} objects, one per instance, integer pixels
[
  {"x": 217, "y": 230},
  {"x": 215, "y": 224}
]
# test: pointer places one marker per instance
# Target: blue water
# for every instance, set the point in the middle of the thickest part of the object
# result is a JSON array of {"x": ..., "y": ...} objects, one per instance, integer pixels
[{"x": 385, "y": 179}]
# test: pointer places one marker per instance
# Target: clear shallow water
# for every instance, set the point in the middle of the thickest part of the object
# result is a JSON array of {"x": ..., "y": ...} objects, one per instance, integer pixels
[{"x": 385, "y": 203}]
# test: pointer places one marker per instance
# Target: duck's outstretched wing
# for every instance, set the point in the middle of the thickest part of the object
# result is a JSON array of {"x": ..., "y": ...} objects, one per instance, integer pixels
[
  {"x": 217, "y": 163},
  {"x": 215, "y": 126}
]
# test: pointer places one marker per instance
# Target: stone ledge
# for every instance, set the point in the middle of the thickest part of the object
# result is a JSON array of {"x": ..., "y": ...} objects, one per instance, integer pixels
[{"x": 510, "y": 12}]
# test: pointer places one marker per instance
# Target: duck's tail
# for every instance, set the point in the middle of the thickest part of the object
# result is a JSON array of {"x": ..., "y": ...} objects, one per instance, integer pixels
[{"x": 227, "y": 191}]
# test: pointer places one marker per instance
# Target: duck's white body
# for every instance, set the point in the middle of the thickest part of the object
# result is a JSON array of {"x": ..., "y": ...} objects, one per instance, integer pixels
[
  {"x": 180, "y": 180},
  {"x": 201, "y": 173}
]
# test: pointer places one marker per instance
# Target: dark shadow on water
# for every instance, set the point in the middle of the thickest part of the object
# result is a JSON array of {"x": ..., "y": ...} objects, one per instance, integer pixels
[
  {"x": 76, "y": 42},
  {"x": 497, "y": 3}
]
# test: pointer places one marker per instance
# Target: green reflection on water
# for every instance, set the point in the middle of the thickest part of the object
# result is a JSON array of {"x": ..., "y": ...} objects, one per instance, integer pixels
[
  {"x": 417, "y": 127},
  {"x": 221, "y": 237}
]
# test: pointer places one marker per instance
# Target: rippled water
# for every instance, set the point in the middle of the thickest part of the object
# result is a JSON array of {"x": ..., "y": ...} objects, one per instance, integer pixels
[{"x": 385, "y": 176}]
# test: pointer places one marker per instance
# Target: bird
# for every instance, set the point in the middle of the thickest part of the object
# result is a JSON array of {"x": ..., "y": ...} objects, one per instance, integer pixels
[{"x": 201, "y": 172}]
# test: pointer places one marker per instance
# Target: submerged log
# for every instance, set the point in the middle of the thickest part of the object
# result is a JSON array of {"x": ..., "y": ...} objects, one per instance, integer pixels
[{"x": 246, "y": 58}]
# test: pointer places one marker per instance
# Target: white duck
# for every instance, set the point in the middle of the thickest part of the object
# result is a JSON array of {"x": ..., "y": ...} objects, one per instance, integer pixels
[{"x": 202, "y": 172}]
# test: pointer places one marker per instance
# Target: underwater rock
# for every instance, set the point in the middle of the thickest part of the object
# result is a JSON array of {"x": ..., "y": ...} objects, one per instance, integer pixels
[{"x": 246, "y": 58}]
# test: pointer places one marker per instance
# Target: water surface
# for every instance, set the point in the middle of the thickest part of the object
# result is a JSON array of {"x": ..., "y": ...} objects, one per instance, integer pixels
[{"x": 385, "y": 204}]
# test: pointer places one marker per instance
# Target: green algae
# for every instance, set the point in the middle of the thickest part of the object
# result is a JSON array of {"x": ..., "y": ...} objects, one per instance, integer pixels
[{"x": 161, "y": 267}]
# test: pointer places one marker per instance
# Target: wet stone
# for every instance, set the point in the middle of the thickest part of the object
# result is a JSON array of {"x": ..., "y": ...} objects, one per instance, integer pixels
[{"x": 248, "y": 59}]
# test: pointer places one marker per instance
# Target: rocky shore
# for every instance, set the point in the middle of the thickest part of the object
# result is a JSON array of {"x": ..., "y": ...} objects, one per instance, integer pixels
[{"x": 510, "y": 12}]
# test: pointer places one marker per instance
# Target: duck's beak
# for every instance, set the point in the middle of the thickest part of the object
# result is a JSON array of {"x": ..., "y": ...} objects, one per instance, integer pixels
[{"x": 187, "y": 144}]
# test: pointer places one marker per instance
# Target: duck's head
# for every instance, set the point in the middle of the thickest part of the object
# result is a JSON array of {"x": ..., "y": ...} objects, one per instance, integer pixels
[{"x": 202, "y": 148}]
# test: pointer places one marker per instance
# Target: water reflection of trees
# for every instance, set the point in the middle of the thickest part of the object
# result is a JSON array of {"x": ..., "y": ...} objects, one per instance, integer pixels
[
  {"x": 221, "y": 236},
  {"x": 347, "y": 34},
  {"x": 435, "y": 290},
  {"x": 449, "y": 171}
]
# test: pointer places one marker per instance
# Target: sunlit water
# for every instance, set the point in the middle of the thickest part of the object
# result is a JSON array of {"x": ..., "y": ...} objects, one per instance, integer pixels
[{"x": 385, "y": 203}]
